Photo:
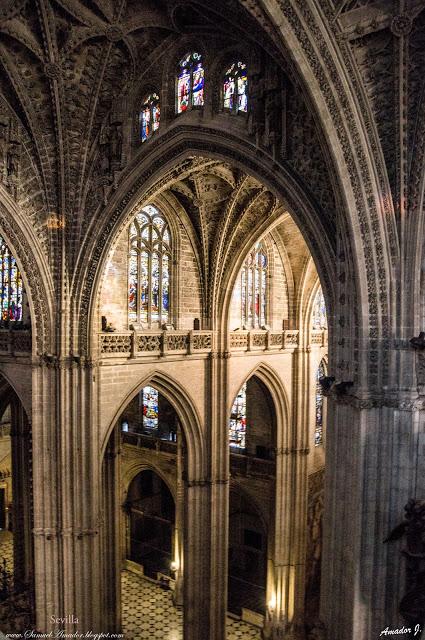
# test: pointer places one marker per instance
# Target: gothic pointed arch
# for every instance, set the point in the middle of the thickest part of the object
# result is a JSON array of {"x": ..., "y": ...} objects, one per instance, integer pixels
[
  {"x": 187, "y": 413},
  {"x": 25, "y": 247}
]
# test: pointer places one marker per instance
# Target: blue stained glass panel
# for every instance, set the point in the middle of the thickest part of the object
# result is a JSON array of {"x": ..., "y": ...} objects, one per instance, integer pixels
[
  {"x": 149, "y": 267},
  {"x": 318, "y": 315},
  {"x": 150, "y": 408},
  {"x": 183, "y": 91},
  {"x": 235, "y": 88},
  {"x": 198, "y": 86},
  {"x": 318, "y": 432},
  {"x": 11, "y": 286},
  {"x": 237, "y": 423},
  {"x": 149, "y": 116}
]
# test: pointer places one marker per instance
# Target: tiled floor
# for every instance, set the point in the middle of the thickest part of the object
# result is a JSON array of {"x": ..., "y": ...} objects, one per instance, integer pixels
[
  {"x": 6, "y": 550},
  {"x": 149, "y": 614}
]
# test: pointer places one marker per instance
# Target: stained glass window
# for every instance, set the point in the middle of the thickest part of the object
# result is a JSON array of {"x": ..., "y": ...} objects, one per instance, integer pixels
[
  {"x": 254, "y": 288},
  {"x": 11, "y": 286},
  {"x": 149, "y": 116},
  {"x": 237, "y": 425},
  {"x": 318, "y": 432},
  {"x": 149, "y": 268},
  {"x": 190, "y": 82},
  {"x": 150, "y": 408},
  {"x": 235, "y": 88},
  {"x": 318, "y": 315}
]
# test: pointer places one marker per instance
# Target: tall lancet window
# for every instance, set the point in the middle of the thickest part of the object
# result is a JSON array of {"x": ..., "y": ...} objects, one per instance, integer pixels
[
  {"x": 149, "y": 269},
  {"x": 318, "y": 315},
  {"x": 254, "y": 288},
  {"x": 190, "y": 83},
  {"x": 318, "y": 431},
  {"x": 235, "y": 88},
  {"x": 11, "y": 286},
  {"x": 237, "y": 425},
  {"x": 149, "y": 116},
  {"x": 150, "y": 408}
]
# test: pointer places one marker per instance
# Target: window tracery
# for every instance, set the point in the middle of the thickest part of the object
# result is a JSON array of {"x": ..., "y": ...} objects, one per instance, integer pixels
[
  {"x": 318, "y": 431},
  {"x": 150, "y": 115},
  {"x": 318, "y": 314},
  {"x": 150, "y": 408},
  {"x": 237, "y": 424},
  {"x": 190, "y": 82},
  {"x": 149, "y": 268},
  {"x": 235, "y": 88},
  {"x": 254, "y": 288},
  {"x": 11, "y": 286}
]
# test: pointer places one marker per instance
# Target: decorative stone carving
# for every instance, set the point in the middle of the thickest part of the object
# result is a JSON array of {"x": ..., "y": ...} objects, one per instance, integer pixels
[
  {"x": 52, "y": 70},
  {"x": 259, "y": 340},
  {"x": 176, "y": 342},
  {"x": 149, "y": 343},
  {"x": 115, "y": 343},
  {"x": 202, "y": 341},
  {"x": 401, "y": 25},
  {"x": 412, "y": 529}
]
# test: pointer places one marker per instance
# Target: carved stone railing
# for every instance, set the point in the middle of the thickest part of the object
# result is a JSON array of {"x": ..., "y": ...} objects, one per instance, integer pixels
[
  {"x": 250, "y": 466},
  {"x": 15, "y": 341},
  {"x": 319, "y": 337},
  {"x": 263, "y": 340},
  {"x": 144, "y": 441},
  {"x": 135, "y": 344}
]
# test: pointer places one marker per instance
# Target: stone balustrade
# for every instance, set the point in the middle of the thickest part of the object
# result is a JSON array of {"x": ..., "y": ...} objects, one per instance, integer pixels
[
  {"x": 136, "y": 344},
  {"x": 319, "y": 338},
  {"x": 263, "y": 340},
  {"x": 15, "y": 341}
]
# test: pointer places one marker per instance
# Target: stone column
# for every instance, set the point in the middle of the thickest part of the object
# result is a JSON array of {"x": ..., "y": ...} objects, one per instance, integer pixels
[
  {"x": 196, "y": 623},
  {"x": 178, "y": 542},
  {"x": 66, "y": 496},
  {"x": 110, "y": 534},
  {"x": 23, "y": 557},
  {"x": 217, "y": 429},
  {"x": 285, "y": 584}
]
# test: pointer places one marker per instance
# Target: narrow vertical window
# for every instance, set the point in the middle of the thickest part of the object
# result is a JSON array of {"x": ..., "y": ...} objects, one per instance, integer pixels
[
  {"x": 150, "y": 408},
  {"x": 149, "y": 116},
  {"x": 235, "y": 88},
  {"x": 318, "y": 432},
  {"x": 11, "y": 286},
  {"x": 149, "y": 269},
  {"x": 237, "y": 425},
  {"x": 318, "y": 314},
  {"x": 254, "y": 288},
  {"x": 190, "y": 82}
]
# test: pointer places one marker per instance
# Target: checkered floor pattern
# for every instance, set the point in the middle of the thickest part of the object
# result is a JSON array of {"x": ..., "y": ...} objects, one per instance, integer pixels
[
  {"x": 6, "y": 549},
  {"x": 148, "y": 614}
]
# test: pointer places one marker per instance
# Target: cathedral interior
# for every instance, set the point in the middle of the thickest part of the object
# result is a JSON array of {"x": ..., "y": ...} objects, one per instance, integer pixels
[{"x": 212, "y": 322}]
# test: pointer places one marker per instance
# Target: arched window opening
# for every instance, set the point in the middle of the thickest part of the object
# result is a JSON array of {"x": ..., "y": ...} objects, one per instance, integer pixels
[
  {"x": 237, "y": 427},
  {"x": 149, "y": 116},
  {"x": 151, "y": 519},
  {"x": 254, "y": 288},
  {"x": 252, "y": 422},
  {"x": 318, "y": 431},
  {"x": 11, "y": 287},
  {"x": 318, "y": 315},
  {"x": 235, "y": 88},
  {"x": 247, "y": 567},
  {"x": 149, "y": 269},
  {"x": 150, "y": 414},
  {"x": 190, "y": 82}
]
